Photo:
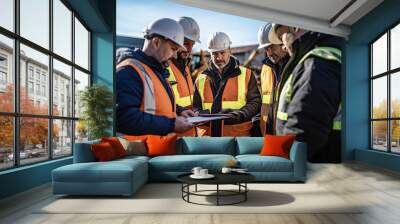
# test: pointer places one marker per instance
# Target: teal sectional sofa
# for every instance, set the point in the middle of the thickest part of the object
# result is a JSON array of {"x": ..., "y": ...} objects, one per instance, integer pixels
[{"x": 125, "y": 176}]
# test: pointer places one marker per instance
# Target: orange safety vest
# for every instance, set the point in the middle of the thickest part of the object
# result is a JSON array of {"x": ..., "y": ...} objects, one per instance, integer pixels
[
  {"x": 156, "y": 100},
  {"x": 182, "y": 86},
  {"x": 267, "y": 91},
  {"x": 233, "y": 97}
]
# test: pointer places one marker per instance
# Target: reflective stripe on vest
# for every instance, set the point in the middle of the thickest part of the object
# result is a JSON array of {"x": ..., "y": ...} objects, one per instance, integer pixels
[
  {"x": 204, "y": 87},
  {"x": 153, "y": 102},
  {"x": 183, "y": 87},
  {"x": 337, "y": 120},
  {"x": 267, "y": 84},
  {"x": 327, "y": 53}
]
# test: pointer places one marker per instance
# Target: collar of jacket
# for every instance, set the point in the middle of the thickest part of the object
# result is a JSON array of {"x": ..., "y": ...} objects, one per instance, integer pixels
[
  {"x": 181, "y": 63},
  {"x": 230, "y": 70},
  {"x": 148, "y": 60}
]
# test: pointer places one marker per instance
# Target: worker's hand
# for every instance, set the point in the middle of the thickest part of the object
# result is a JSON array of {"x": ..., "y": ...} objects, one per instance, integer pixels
[
  {"x": 187, "y": 113},
  {"x": 182, "y": 124}
]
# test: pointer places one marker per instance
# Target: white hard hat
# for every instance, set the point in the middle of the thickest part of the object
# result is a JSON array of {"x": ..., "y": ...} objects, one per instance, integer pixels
[
  {"x": 218, "y": 41},
  {"x": 167, "y": 28},
  {"x": 273, "y": 36},
  {"x": 263, "y": 32},
  {"x": 190, "y": 28}
]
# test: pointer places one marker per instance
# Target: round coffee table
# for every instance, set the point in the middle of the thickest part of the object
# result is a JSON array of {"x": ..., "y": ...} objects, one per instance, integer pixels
[{"x": 238, "y": 179}]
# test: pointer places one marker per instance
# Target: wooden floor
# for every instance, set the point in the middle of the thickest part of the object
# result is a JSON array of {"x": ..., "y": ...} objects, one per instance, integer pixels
[{"x": 377, "y": 188}]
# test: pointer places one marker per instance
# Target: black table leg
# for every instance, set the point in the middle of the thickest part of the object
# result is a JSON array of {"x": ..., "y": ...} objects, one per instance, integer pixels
[{"x": 217, "y": 194}]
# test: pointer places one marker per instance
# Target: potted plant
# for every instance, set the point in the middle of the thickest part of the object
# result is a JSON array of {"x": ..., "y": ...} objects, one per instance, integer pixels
[{"x": 96, "y": 102}]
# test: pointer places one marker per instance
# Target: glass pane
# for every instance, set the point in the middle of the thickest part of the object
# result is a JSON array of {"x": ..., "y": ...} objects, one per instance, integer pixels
[
  {"x": 34, "y": 97},
  {"x": 6, "y": 74},
  {"x": 395, "y": 95},
  {"x": 35, "y": 21},
  {"x": 7, "y": 14},
  {"x": 395, "y": 136},
  {"x": 6, "y": 142},
  {"x": 81, "y": 81},
  {"x": 379, "y": 98},
  {"x": 33, "y": 139},
  {"x": 62, "y": 89},
  {"x": 62, "y": 138},
  {"x": 81, "y": 131},
  {"x": 81, "y": 45},
  {"x": 379, "y": 55},
  {"x": 62, "y": 29},
  {"x": 379, "y": 135},
  {"x": 395, "y": 47}
]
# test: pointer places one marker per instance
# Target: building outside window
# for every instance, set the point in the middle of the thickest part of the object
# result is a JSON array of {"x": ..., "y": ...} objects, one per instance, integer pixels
[
  {"x": 59, "y": 125},
  {"x": 385, "y": 92}
]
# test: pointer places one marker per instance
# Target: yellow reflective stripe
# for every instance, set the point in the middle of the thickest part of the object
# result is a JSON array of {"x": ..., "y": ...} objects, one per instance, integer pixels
[
  {"x": 288, "y": 93},
  {"x": 337, "y": 125},
  {"x": 171, "y": 77},
  {"x": 181, "y": 101},
  {"x": 201, "y": 80},
  {"x": 266, "y": 99},
  {"x": 282, "y": 116},
  {"x": 184, "y": 101},
  {"x": 328, "y": 53}
]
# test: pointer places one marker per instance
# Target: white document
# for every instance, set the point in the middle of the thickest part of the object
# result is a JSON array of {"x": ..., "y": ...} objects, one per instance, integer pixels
[{"x": 196, "y": 120}]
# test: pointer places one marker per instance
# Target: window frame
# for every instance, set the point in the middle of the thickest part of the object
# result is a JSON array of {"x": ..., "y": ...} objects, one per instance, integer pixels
[
  {"x": 388, "y": 74},
  {"x": 16, "y": 114}
]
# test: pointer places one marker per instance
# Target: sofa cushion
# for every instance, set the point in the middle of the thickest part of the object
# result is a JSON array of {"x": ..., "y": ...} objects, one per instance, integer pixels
[
  {"x": 277, "y": 145},
  {"x": 249, "y": 145},
  {"x": 206, "y": 145},
  {"x": 116, "y": 145},
  {"x": 257, "y": 163},
  {"x": 103, "y": 152},
  {"x": 161, "y": 145},
  {"x": 185, "y": 163}
]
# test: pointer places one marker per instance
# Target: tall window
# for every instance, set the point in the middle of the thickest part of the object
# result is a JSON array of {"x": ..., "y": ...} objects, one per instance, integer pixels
[
  {"x": 36, "y": 51},
  {"x": 385, "y": 91}
]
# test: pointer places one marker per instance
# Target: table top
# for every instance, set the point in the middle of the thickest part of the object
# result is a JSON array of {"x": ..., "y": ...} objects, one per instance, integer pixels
[{"x": 220, "y": 178}]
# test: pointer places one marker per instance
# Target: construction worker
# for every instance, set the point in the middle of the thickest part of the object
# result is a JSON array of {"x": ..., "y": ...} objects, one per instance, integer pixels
[
  {"x": 276, "y": 58},
  {"x": 309, "y": 99},
  {"x": 226, "y": 87},
  {"x": 145, "y": 101},
  {"x": 180, "y": 77}
]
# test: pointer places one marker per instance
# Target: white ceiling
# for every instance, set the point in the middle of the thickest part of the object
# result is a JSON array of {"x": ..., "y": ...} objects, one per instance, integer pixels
[{"x": 324, "y": 16}]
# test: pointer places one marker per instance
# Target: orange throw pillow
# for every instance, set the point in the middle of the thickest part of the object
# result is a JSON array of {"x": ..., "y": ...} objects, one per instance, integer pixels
[
  {"x": 135, "y": 138},
  {"x": 103, "y": 152},
  {"x": 277, "y": 145},
  {"x": 161, "y": 145},
  {"x": 116, "y": 145}
]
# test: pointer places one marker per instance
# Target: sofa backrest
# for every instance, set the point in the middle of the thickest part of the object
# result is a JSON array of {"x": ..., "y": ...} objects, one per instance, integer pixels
[
  {"x": 206, "y": 145},
  {"x": 249, "y": 145},
  {"x": 83, "y": 153}
]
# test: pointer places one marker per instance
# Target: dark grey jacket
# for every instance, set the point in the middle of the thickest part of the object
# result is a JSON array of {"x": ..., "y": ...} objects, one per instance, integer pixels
[{"x": 316, "y": 96}]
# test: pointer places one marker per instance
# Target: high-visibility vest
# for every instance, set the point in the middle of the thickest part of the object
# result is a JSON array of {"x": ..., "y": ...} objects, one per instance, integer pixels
[
  {"x": 182, "y": 85},
  {"x": 156, "y": 100},
  {"x": 234, "y": 97},
  {"x": 327, "y": 53},
  {"x": 267, "y": 93}
]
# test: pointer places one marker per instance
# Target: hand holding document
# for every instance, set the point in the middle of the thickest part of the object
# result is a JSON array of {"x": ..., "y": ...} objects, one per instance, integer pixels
[{"x": 203, "y": 118}]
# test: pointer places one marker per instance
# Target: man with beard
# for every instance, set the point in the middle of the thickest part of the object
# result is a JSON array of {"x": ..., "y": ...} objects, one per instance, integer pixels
[
  {"x": 273, "y": 64},
  {"x": 145, "y": 101},
  {"x": 228, "y": 88},
  {"x": 309, "y": 99},
  {"x": 180, "y": 77}
]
